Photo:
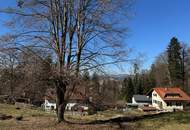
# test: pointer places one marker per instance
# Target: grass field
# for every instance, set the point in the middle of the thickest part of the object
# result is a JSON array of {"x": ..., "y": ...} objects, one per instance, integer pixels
[
  {"x": 36, "y": 119},
  {"x": 170, "y": 121}
]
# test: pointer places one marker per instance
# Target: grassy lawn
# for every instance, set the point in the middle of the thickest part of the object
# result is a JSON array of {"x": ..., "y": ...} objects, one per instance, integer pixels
[
  {"x": 40, "y": 120},
  {"x": 25, "y": 112},
  {"x": 30, "y": 116},
  {"x": 170, "y": 121}
]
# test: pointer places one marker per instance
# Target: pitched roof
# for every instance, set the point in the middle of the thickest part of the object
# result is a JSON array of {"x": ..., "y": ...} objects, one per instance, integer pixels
[
  {"x": 172, "y": 94},
  {"x": 141, "y": 98}
]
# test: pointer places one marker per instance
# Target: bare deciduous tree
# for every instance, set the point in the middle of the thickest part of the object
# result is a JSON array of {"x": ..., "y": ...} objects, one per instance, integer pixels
[
  {"x": 81, "y": 34},
  {"x": 8, "y": 62}
]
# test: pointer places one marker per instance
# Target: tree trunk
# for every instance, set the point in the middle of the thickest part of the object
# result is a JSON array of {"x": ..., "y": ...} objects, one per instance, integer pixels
[{"x": 60, "y": 99}]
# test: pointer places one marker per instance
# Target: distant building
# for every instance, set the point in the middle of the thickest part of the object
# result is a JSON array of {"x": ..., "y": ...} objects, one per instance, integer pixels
[
  {"x": 49, "y": 105},
  {"x": 169, "y": 98},
  {"x": 76, "y": 96},
  {"x": 141, "y": 100}
]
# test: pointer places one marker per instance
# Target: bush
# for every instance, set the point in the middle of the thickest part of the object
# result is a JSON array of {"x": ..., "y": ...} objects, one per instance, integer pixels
[{"x": 91, "y": 110}]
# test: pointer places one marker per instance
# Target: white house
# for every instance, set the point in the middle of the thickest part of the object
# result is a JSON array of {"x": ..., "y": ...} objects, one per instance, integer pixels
[
  {"x": 49, "y": 105},
  {"x": 169, "y": 98},
  {"x": 141, "y": 100}
]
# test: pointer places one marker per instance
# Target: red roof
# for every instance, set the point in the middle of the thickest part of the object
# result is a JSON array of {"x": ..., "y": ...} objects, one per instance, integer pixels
[{"x": 172, "y": 94}]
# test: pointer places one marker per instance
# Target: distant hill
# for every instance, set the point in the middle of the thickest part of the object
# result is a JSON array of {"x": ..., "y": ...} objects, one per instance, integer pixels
[{"x": 119, "y": 77}]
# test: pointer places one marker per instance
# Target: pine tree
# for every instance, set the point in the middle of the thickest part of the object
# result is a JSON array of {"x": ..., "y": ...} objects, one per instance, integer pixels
[
  {"x": 140, "y": 87},
  {"x": 127, "y": 89},
  {"x": 174, "y": 62},
  {"x": 137, "y": 83},
  {"x": 152, "y": 77}
]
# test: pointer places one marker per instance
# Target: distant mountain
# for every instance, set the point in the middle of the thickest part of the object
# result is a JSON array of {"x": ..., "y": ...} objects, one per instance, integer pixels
[
  {"x": 115, "y": 76},
  {"x": 119, "y": 76}
]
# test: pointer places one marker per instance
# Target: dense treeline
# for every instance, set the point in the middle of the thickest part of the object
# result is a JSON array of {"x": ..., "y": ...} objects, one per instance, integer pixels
[
  {"x": 170, "y": 69},
  {"x": 102, "y": 89},
  {"x": 138, "y": 83},
  {"x": 24, "y": 74}
]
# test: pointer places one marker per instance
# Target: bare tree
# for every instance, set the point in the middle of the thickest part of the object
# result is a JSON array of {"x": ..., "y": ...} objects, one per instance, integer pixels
[
  {"x": 162, "y": 74},
  {"x": 8, "y": 62},
  {"x": 82, "y": 35}
]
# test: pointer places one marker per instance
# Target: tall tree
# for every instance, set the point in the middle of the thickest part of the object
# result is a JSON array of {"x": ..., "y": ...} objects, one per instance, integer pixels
[
  {"x": 175, "y": 62},
  {"x": 148, "y": 79},
  {"x": 8, "y": 62},
  {"x": 81, "y": 34},
  {"x": 185, "y": 65},
  {"x": 162, "y": 74},
  {"x": 127, "y": 89},
  {"x": 152, "y": 77},
  {"x": 137, "y": 79}
]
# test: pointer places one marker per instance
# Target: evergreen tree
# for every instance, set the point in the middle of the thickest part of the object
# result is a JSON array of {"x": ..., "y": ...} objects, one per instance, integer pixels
[
  {"x": 140, "y": 87},
  {"x": 152, "y": 78},
  {"x": 175, "y": 62},
  {"x": 137, "y": 83},
  {"x": 127, "y": 89}
]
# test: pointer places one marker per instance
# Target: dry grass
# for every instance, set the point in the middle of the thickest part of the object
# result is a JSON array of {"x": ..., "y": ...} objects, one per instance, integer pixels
[
  {"x": 170, "y": 121},
  {"x": 25, "y": 112},
  {"x": 36, "y": 119},
  {"x": 104, "y": 115},
  {"x": 45, "y": 123}
]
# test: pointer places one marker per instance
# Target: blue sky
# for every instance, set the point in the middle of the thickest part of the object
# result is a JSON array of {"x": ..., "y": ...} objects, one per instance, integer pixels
[
  {"x": 153, "y": 24},
  {"x": 3, "y": 17}
]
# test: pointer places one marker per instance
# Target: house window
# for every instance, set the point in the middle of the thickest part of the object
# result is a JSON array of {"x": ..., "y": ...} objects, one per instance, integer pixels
[
  {"x": 169, "y": 104},
  {"x": 178, "y": 103},
  {"x": 154, "y": 101},
  {"x": 154, "y": 94}
]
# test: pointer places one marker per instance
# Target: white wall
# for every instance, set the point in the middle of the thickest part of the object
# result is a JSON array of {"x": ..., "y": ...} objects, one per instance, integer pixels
[
  {"x": 133, "y": 101},
  {"x": 48, "y": 105},
  {"x": 157, "y": 98},
  {"x": 70, "y": 105}
]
